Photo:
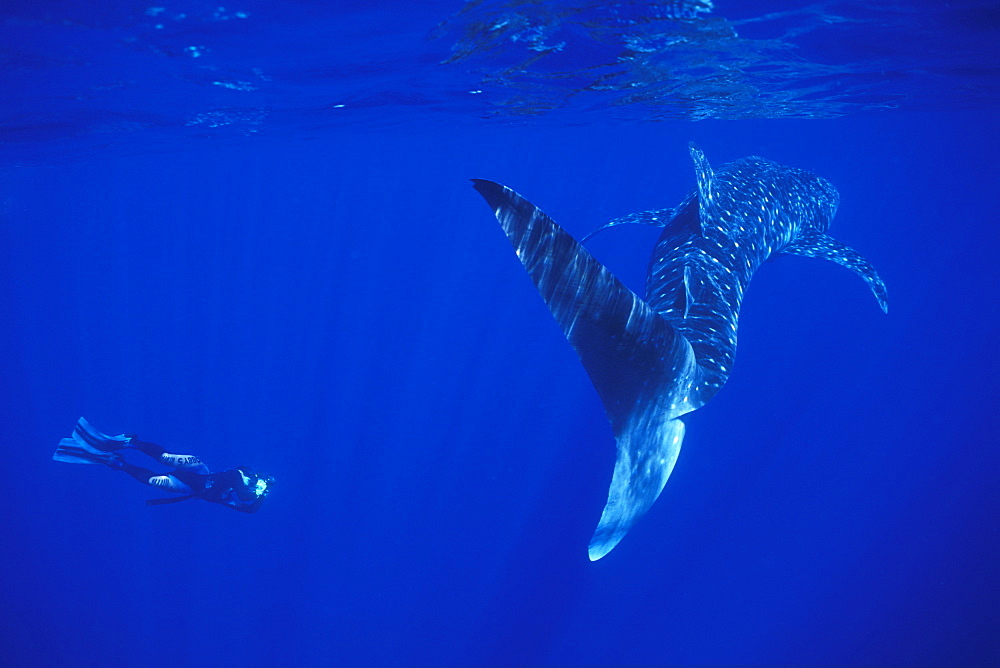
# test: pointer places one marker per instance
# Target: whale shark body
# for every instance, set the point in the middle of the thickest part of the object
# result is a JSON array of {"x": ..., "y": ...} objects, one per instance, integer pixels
[{"x": 653, "y": 360}]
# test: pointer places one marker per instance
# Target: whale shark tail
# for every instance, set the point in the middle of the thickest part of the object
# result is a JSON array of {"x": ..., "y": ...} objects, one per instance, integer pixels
[
  {"x": 647, "y": 452},
  {"x": 632, "y": 355}
]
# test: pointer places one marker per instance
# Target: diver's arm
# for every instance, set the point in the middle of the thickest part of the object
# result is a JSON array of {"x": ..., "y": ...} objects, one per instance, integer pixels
[{"x": 251, "y": 508}]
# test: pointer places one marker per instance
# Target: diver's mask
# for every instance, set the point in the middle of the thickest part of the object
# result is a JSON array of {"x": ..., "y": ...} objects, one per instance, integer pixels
[
  {"x": 262, "y": 485},
  {"x": 258, "y": 484}
]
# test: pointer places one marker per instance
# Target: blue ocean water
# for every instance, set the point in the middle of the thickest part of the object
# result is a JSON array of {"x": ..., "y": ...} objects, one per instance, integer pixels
[{"x": 247, "y": 232}]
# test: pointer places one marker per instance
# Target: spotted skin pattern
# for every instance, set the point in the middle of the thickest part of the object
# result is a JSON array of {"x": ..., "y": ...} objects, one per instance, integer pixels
[
  {"x": 654, "y": 360},
  {"x": 738, "y": 217}
]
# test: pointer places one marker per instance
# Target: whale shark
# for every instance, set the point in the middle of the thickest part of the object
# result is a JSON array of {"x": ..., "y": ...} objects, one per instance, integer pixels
[{"x": 656, "y": 359}]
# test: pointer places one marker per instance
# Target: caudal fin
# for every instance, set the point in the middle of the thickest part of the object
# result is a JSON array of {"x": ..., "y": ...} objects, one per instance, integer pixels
[
  {"x": 647, "y": 453},
  {"x": 634, "y": 358}
]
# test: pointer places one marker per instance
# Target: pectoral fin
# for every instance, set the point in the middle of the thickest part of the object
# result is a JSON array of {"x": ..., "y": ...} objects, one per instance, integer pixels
[
  {"x": 828, "y": 248},
  {"x": 658, "y": 218}
]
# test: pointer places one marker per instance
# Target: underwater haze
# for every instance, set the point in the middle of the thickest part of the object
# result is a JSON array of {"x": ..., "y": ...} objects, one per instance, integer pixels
[{"x": 247, "y": 232}]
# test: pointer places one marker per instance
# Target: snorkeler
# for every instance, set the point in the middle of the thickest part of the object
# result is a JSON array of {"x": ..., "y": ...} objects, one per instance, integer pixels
[{"x": 240, "y": 489}]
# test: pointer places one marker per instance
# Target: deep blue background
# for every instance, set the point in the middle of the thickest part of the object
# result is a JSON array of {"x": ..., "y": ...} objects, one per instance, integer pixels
[{"x": 345, "y": 313}]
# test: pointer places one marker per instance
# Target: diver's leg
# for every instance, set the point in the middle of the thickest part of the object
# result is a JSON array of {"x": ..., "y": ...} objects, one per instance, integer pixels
[
  {"x": 115, "y": 461},
  {"x": 171, "y": 484},
  {"x": 139, "y": 473},
  {"x": 145, "y": 447},
  {"x": 184, "y": 462},
  {"x": 147, "y": 477},
  {"x": 159, "y": 454}
]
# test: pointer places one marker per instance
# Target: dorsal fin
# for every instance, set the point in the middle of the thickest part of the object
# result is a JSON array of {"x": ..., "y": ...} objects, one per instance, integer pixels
[
  {"x": 815, "y": 244},
  {"x": 705, "y": 177}
]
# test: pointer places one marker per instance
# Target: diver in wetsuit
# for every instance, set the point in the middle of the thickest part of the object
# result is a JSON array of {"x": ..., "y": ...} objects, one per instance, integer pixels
[{"x": 241, "y": 489}]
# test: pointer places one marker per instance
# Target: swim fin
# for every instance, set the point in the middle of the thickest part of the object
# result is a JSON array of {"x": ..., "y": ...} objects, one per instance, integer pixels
[
  {"x": 70, "y": 452},
  {"x": 94, "y": 441}
]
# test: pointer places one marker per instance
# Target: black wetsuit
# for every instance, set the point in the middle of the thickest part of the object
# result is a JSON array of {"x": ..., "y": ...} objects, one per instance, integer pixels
[{"x": 227, "y": 487}]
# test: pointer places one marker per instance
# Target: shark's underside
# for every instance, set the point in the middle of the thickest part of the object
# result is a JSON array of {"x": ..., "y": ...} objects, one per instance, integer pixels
[{"x": 654, "y": 360}]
